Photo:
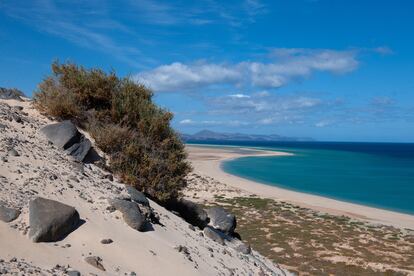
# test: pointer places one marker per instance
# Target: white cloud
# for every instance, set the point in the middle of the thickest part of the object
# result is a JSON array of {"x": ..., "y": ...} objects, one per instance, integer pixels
[
  {"x": 384, "y": 50},
  {"x": 239, "y": 96},
  {"x": 324, "y": 123},
  {"x": 186, "y": 122},
  {"x": 284, "y": 65},
  {"x": 181, "y": 76}
]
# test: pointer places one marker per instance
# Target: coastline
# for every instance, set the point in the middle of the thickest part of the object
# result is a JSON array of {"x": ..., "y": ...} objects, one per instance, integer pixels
[{"x": 207, "y": 160}]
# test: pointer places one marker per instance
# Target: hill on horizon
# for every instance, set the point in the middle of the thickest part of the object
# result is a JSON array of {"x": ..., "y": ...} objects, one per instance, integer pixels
[{"x": 208, "y": 135}]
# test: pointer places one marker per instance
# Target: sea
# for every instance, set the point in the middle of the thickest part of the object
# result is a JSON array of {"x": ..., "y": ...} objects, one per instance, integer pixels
[{"x": 379, "y": 175}]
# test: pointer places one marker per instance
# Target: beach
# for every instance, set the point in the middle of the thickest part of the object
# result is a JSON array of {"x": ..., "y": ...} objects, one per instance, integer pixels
[{"x": 207, "y": 161}]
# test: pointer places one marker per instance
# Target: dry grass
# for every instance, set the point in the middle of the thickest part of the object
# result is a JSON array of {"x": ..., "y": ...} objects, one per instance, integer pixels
[
  {"x": 312, "y": 243},
  {"x": 306, "y": 241}
]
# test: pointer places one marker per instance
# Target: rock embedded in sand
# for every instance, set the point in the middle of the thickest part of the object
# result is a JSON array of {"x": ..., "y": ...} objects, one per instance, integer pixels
[
  {"x": 13, "y": 152},
  {"x": 192, "y": 212},
  {"x": 137, "y": 196},
  {"x": 51, "y": 220},
  {"x": 73, "y": 273},
  {"x": 80, "y": 150},
  {"x": 221, "y": 219},
  {"x": 63, "y": 134},
  {"x": 213, "y": 234},
  {"x": 107, "y": 241},
  {"x": 130, "y": 212},
  {"x": 95, "y": 262},
  {"x": 243, "y": 248},
  {"x": 8, "y": 214}
]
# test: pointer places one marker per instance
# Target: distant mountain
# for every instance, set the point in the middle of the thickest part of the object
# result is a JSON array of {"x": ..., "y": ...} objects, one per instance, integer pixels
[{"x": 208, "y": 135}]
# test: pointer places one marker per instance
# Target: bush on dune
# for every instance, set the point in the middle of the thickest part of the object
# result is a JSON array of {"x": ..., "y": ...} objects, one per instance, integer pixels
[{"x": 120, "y": 115}]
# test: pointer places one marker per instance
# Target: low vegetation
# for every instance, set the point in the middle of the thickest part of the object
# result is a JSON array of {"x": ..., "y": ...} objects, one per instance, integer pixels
[
  {"x": 120, "y": 115},
  {"x": 311, "y": 243}
]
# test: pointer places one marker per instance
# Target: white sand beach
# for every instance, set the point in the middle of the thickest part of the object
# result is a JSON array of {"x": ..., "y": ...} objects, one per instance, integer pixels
[{"x": 207, "y": 161}]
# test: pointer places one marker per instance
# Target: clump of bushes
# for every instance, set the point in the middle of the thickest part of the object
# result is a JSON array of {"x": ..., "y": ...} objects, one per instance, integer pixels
[{"x": 120, "y": 115}]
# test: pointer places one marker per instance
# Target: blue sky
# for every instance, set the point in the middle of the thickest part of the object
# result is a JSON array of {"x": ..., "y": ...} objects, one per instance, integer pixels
[{"x": 331, "y": 70}]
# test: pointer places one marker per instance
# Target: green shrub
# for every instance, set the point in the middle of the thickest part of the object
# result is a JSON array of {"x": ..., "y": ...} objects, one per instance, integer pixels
[{"x": 120, "y": 115}]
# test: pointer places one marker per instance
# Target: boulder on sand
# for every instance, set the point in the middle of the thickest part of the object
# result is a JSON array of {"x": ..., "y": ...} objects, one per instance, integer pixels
[
  {"x": 221, "y": 219},
  {"x": 130, "y": 212},
  {"x": 8, "y": 214},
  {"x": 213, "y": 234},
  {"x": 191, "y": 212},
  {"x": 80, "y": 150},
  {"x": 63, "y": 134},
  {"x": 137, "y": 196},
  {"x": 51, "y": 220},
  {"x": 243, "y": 248}
]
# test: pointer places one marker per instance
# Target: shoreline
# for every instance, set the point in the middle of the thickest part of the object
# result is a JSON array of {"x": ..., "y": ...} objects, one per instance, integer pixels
[{"x": 207, "y": 160}]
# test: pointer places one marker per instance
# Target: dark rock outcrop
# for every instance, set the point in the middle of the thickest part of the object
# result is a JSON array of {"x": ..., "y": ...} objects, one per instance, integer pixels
[
  {"x": 221, "y": 219},
  {"x": 137, "y": 196},
  {"x": 11, "y": 94},
  {"x": 214, "y": 234},
  {"x": 51, "y": 220},
  {"x": 8, "y": 214},
  {"x": 65, "y": 135},
  {"x": 130, "y": 212}
]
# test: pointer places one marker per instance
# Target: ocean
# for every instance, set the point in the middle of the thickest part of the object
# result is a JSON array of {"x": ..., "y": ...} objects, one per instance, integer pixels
[{"x": 380, "y": 175}]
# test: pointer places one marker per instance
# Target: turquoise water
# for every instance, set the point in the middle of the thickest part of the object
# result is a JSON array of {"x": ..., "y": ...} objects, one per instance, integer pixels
[{"x": 377, "y": 175}]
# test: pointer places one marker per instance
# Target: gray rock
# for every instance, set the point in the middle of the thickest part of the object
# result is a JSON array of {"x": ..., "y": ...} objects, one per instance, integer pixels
[
  {"x": 18, "y": 107},
  {"x": 80, "y": 150},
  {"x": 137, "y": 196},
  {"x": 183, "y": 249},
  {"x": 3, "y": 126},
  {"x": 243, "y": 248},
  {"x": 110, "y": 177},
  {"x": 8, "y": 214},
  {"x": 107, "y": 241},
  {"x": 95, "y": 262},
  {"x": 63, "y": 134},
  {"x": 73, "y": 273},
  {"x": 192, "y": 212},
  {"x": 11, "y": 94},
  {"x": 213, "y": 234},
  {"x": 13, "y": 152},
  {"x": 17, "y": 118},
  {"x": 130, "y": 212},
  {"x": 221, "y": 219},
  {"x": 51, "y": 220}
]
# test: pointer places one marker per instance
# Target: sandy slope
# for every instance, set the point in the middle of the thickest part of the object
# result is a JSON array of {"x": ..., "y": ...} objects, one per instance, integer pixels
[
  {"x": 43, "y": 170},
  {"x": 206, "y": 161}
]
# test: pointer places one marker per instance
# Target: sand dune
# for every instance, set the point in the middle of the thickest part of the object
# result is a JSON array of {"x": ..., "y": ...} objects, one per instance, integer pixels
[{"x": 40, "y": 169}]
